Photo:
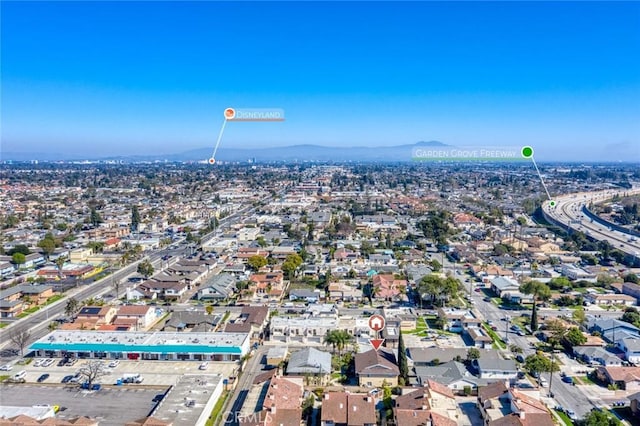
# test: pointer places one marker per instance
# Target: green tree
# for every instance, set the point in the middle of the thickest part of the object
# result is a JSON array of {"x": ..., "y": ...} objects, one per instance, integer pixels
[
  {"x": 261, "y": 241},
  {"x": 145, "y": 268},
  {"x": 96, "y": 246},
  {"x": 435, "y": 265},
  {"x": 574, "y": 337},
  {"x": 47, "y": 244},
  {"x": 20, "y": 248},
  {"x": 599, "y": 418},
  {"x": 579, "y": 316},
  {"x": 631, "y": 278},
  {"x": 19, "y": 259},
  {"x": 256, "y": 262},
  {"x": 94, "y": 217},
  {"x": 403, "y": 364},
  {"x": 71, "y": 307},
  {"x": 539, "y": 291},
  {"x": 631, "y": 316},
  {"x": 438, "y": 289},
  {"x": 538, "y": 363},
  {"x": 135, "y": 218},
  {"x": 60, "y": 261},
  {"x": 473, "y": 353},
  {"x": 291, "y": 264}
]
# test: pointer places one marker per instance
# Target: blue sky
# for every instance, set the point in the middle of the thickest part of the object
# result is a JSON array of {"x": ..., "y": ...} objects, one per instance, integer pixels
[{"x": 119, "y": 78}]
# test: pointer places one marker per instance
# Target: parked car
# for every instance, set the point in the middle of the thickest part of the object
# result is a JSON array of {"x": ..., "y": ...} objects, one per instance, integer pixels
[
  {"x": 114, "y": 363},
  {"x": 43, "y": 377},
  {"x": 66, "y": 379},
  {"x": 519, "y": 358},
  {"x": 203, "y": 366},
  {"x": 6, "y": 367},
  {"x": 572, "y": 415}
]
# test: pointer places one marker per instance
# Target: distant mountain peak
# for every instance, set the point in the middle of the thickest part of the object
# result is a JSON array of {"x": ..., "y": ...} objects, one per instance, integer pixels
[{"x": 431, "y": 143}]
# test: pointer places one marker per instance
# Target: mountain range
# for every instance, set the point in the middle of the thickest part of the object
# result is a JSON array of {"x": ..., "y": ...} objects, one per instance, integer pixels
[{"x": 287, "y": 154}]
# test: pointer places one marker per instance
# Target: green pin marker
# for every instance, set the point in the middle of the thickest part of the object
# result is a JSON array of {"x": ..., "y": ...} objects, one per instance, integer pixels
[{"x": 527, "y": 152}]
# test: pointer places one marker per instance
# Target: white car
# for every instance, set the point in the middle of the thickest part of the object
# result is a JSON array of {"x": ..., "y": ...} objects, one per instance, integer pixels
[
  {"x": 6, "y": 367},
  {"x": 38, "y": 363},
  {"x": 114, "y": 363},
  {"x": 204, "y": 366}
]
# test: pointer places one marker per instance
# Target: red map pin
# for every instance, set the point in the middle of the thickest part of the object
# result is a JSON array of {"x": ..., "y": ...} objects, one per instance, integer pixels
[{"x": 376, "y": 322}]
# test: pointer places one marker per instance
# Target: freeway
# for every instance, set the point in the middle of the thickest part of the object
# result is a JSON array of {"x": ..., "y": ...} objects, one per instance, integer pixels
[{"x": 568, "y": 210}]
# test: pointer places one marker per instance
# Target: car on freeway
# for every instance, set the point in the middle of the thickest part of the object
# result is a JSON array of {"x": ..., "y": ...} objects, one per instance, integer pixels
[{"x": 43, "y": 377}]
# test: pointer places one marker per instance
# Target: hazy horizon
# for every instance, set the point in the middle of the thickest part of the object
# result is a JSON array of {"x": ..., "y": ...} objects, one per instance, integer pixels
[{"x": 137, "y": 78}]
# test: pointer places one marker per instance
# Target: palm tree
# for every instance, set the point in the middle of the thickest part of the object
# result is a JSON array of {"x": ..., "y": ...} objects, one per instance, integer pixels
[
  {"x": 60, "y": 264},
  {"x": 331, "y": 339}
]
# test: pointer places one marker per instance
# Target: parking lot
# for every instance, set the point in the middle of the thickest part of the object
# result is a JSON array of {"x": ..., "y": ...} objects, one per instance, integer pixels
[
  {"x": 112, "y": 406},
  {"x": 154, "y": 372}
]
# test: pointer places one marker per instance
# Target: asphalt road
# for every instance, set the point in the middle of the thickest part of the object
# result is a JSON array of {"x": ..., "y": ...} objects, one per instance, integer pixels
[
  {"x": 570, "y": 397},
  {"x": 568, "y": 211},
  {"x": 251, "y": 370}
]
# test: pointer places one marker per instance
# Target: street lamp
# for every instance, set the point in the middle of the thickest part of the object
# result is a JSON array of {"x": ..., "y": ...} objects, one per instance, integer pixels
[
  {"x": 553, "y": 366},
  {"x": 506, "y": 329}
]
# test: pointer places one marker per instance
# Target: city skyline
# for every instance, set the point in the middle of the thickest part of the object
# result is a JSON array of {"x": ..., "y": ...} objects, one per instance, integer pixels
[{"x": 119, "y": 79}]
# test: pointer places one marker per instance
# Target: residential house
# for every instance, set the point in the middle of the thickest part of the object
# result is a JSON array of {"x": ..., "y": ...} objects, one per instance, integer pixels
[
  {"x": 377, "y": 367},
  {"x": 220, "y": 287},
  {"x": 597, "y": 355},
  {"x": 612, "y": 330},
  {"x": 610, "y": 299},
  {"x": 97, "y": 315},
  {"x": 452, "y": 374},
  {"x": 142, "y": 316},
  {"x": 168, "y": 289},
  {"x": 269, "y": 285},
  {"x": 497, "y": 368},
  {"x": 347, "y": 409},
  {"x": 193, "y": 321},
  {"x": 509, "y": 289},
  {"x": 500, "y": 408},
  {"x": 631, "y": 348},
  {"x": 345, "y": 291},
  {"x": 457, "y": 320},
  {"x": 434, "y": 404},
  {"x": 311, "y": 296},
  {"x": 281, "y": 404},
  {"x": 311, "y": 363},
  {"x": 625, "y": 378},
  {"x": 252, "y": 320},
  {"x": 388, "y": 288}
]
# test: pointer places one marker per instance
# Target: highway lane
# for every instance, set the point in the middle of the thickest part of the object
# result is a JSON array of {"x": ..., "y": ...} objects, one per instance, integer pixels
[{"x": 568, "y": 211}]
